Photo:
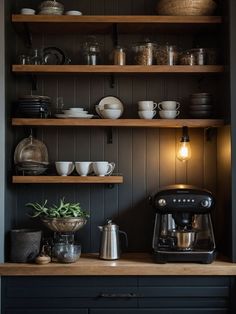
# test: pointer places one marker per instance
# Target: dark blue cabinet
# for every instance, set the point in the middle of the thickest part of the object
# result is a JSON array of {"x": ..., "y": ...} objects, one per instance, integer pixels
[{"x": 117, "y": 295}]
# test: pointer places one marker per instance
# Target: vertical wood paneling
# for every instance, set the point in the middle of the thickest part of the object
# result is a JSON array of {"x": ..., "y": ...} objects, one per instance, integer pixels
[
  {"x": 195, "y": 164},
  {"x": 167, "y": 157}
]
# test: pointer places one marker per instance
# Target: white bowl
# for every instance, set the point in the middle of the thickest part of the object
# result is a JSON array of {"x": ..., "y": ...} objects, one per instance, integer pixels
[
  {"x": 112, "y": 106},
  {"x": 73, "y": 12},
  {"x": 111, "y": 113},
  {"x": 27, "y": 11},
  {"x": 146, "y": 114},
  {"x": 168, "y": 114}
]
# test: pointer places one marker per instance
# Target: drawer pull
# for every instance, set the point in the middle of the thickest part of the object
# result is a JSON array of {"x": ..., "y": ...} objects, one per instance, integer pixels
[{"x": 118, "y": 295}]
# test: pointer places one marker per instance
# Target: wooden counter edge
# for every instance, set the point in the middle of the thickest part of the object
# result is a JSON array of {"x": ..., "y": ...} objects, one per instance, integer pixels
[{"x": 128, "y": 265}]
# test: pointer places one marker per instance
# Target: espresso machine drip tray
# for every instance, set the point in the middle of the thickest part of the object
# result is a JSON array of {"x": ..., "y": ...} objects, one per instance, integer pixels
[{"x": 183, "y": 229}]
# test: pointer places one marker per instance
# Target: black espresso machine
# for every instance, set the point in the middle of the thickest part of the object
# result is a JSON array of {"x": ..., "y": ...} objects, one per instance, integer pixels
[{"x": 183, "y": 229}]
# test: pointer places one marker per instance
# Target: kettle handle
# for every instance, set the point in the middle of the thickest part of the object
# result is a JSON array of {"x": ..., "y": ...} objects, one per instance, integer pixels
[{"x": 126, "y": 237}]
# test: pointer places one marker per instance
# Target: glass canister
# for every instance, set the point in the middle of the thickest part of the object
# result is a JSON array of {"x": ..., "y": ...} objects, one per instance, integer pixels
[
  {"x": 200, "y": 55},
  {"x": 91, "y": 51},
  {"x": 187, "y": 58},
  {"x": 119, "y": 56},
  {"x": 144, "y": 53},
  {"x": 167, "y": 55}
]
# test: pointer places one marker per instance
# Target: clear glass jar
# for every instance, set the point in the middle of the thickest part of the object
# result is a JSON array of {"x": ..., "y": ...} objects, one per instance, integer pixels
[
  {"x": 91, "y": 51},
  {"x": 119, "y": 56},
  {"x": 24, "y": 59},
  {"x": 144, "y": 53},
  {"x": 36, "y": 57},
  {"x": 187, "y": 58},
  {"x": 200, "y": 55},
  {"x": 167, "y": 55}
]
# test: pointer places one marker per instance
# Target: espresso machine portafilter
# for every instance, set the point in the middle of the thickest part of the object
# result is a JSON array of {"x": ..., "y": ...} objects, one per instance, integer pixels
[{"x": 183, "y": 230}]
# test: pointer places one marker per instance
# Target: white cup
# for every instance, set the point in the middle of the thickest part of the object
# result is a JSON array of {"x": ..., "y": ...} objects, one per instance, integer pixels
[
  {"x": 146, "y": 105},
  {"x": 147, "y": 114},
  {"x": 169, "y": 114},
  {"x": 168, "y": 105},
  {"x": 83, "y": 168},
  {"x": 64, "y": 168},
  {"x": 103, "y": 168}
]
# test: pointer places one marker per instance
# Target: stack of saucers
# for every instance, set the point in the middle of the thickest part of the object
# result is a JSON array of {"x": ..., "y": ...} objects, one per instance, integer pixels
[
  {"x": 201, "y": 105},
  {"x": 33, "y": 106},
  {"x": 51, "y": 8},
  {"x": 74, "y": 112}
]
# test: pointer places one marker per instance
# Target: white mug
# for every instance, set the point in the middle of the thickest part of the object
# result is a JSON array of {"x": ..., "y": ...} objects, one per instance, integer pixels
[
  {"x": 169, "y": 114},
  {"x": 168, "y": 105},
  {"x": 147, "y": 114},
  {"x": 146, "y": 105},
  {"x": 64, "y": 168},
  {"x": 83, "y": 168},
  {"x": 103, "y": 168}
]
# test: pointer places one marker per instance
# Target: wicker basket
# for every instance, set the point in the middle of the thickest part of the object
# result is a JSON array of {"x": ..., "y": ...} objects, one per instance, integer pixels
[{"x": 186, "y": 7}]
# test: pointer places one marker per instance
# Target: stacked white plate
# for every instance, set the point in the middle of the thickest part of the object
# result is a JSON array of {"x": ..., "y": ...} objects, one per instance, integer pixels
[{"x": 78, "y": 113}]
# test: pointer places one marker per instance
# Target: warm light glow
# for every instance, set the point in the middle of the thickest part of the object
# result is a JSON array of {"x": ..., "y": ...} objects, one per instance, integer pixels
[{"x": 184, "y": 151}]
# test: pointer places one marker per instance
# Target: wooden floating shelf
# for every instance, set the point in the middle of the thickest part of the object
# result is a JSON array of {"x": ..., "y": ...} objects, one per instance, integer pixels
[
  {"x": 104, "y": 23},
  {"x": 155, "y": 123},
  {"x": 18, "y": 68},
  {"x": 68, "y": 179}
]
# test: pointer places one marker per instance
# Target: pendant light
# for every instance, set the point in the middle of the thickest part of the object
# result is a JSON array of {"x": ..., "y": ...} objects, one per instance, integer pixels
[{"x": 184, "y": 148}]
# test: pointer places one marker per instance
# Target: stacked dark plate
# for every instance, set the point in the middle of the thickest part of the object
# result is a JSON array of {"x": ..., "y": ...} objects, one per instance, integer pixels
[
  {"x": 33, "y": 106},
  {"x": 201, "y": 106}
]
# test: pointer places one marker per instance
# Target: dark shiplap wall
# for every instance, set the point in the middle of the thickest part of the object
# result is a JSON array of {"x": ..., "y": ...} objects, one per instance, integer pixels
[{"x": 146, "y": 157}]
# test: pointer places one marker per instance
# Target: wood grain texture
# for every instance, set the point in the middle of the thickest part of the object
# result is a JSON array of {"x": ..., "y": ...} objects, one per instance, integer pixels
[
  {"x": 18, "y": 68},
  {"x": 155, "y": 123},
  {"x": 137, "y": 264},
  {"x": 19, "y": 18},
  {"x": 67, "y": 179}
]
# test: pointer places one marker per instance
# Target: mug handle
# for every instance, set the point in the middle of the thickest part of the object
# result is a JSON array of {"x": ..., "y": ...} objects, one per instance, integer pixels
[
  {"x": 111, "y": 167},
  {"x": 154, "y": 105},
  {"x": 154, "y": 113},
  {"x": 178, "y": 105},
  {"x": 177, "y": 113},
  {"x": 159, "y": 106}
]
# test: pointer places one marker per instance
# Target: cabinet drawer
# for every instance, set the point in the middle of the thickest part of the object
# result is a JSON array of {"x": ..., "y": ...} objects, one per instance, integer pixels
[
  {"x": 160, "y": 311},
  {"x": 72, "y": 292},
  {"x": 47, "y": 311}
]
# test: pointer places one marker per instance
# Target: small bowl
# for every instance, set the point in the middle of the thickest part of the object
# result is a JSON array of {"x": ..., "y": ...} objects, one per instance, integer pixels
[
  {"x": 147, "y": 114},
  {"x": 168, "y": 114},
  {"x": 111, "y": 113},
  {"x": 27, "y": 11},
  {"x": 73, "y": 12},
  {"x": 112, "y": 106}
]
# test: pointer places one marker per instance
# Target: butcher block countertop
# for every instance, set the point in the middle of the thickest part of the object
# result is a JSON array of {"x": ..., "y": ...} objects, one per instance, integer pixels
[{"x": 130, "y": 264}]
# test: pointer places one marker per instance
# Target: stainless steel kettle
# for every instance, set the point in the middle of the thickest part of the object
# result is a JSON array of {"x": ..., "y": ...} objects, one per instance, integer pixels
[{"x": 110, "y": 242}]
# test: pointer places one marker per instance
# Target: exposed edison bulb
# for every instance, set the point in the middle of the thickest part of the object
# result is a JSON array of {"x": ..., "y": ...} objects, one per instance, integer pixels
[{"x": 184, "y": 151}]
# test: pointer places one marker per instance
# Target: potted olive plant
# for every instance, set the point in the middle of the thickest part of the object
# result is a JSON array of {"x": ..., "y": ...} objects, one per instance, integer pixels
[{"x": 61, "y": 217}]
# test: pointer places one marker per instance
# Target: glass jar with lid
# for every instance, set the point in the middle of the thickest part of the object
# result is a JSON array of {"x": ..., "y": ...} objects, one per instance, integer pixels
[
  {"x": 91, "y": 51},
  {"x": 119, "y": 55},
  {"x": 200, "y": 55},
  {"x": 144, "y": 53},
  {"x": 187, "y": 58},
  {"x": 167, "y": 55}
]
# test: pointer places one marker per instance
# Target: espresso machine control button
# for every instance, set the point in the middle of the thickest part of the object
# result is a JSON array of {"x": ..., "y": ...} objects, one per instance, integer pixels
[
  {"x": 162, "y": 202},
  {"x": 205, "y": 203}
]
